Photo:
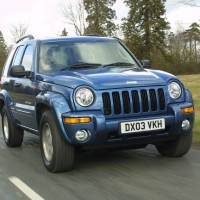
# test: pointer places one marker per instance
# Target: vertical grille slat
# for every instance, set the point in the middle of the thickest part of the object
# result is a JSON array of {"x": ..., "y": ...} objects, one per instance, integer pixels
[
  {"x": 126, "y": 102},
  {"x": 133, "y": 101},
  {"x": 136, "y": 103},
  {"x": 145, "y": 104},
  {"x": 116, "y": 103},
  {"x": 161, "y": 99},
  {"x": 153, "y": 100},
  {"x": 106, "y": 103}
]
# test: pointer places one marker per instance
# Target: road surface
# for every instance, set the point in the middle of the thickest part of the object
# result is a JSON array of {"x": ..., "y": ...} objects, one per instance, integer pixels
[{"x": 135, "y": 174}]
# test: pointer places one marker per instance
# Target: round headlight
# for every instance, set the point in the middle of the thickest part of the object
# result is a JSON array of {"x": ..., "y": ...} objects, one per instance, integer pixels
[
  {"x": 174, "y": 90},
  {"x": 84, "y": 97}
]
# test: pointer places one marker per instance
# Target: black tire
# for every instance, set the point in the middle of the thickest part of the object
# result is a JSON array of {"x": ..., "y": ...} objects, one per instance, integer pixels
[
  {"x": 13, "y": 136},
  {"x": 176, "y": 148},
  {"x": 57, "y": 154}
]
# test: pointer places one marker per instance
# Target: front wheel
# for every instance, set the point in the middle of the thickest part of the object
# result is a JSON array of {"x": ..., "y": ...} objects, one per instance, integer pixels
[
  {"x": 57, "y": 155},
  {"x": 13, "y": 136},
  {"x": 175, "y": 148}
]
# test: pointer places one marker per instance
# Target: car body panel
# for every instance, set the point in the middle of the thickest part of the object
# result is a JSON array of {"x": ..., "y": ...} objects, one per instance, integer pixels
[{"x": 26, "y": 98}]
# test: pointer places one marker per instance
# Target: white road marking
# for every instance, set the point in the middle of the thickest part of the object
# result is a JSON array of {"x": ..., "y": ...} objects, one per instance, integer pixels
[{"x": 25, "y": 188}]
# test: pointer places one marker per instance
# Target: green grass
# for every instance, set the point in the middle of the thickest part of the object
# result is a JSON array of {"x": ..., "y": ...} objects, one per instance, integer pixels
[{"x": 192, "y": 82}]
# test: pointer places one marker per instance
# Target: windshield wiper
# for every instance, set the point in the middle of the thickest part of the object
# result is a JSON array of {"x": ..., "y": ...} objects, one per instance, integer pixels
[
  {"x": 119, "y": 64},
  {"x": 81, "y": 66}
]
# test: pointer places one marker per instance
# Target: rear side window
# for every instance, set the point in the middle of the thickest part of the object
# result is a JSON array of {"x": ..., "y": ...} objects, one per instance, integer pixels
[
  {"x": 28, "y": 58},
  {"x": 18, "y": 56}
]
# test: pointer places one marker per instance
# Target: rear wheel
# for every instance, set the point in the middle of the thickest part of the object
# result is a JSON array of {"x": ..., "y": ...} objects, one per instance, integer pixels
[
  {"x": 13, "y": 136},
  {"x": 57, "y": 154},
  {"x": 177, "y": 147}
]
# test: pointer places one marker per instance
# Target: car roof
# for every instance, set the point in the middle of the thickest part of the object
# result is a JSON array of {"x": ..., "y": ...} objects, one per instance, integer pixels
[
  {"x": 28, "y": 39},
  {"x": 76, "y": 39}
]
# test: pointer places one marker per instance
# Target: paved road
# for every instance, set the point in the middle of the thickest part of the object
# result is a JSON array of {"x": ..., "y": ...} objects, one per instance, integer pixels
[{"x": 136, "y": 175}]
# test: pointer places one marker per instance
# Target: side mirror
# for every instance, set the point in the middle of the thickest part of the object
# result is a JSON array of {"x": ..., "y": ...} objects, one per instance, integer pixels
[
  {"x": 19, "y": 71},
  {"x": 146, "y": 64}
]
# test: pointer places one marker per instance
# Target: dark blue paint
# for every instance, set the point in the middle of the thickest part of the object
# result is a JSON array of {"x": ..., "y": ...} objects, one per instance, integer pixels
[{"x": 56, "y": 91}]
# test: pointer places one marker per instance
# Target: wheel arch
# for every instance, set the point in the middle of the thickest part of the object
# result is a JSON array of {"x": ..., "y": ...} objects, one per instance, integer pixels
[
  {"x": 2, "y": 103},
  {"x": 40, "y": 109},
  {"x": 3, "y": 97},
  {"x": 5, "y": 101},
  {"x": 57, "y": 104}
]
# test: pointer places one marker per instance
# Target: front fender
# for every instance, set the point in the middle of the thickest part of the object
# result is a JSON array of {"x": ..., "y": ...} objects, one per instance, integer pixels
[
  {"x": 188, "y": 96},
  {"x": 57, "y": 104},
  {"x": 5, "y": 100}
]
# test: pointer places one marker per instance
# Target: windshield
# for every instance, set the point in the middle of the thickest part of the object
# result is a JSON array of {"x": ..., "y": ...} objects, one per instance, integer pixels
[{"x": 65, "y": 55}]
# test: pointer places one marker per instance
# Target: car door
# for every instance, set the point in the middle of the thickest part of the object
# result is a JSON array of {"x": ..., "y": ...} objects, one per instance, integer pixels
[
  {"x": 23, "y": 91},
  {"x": 9, "y": 81}
]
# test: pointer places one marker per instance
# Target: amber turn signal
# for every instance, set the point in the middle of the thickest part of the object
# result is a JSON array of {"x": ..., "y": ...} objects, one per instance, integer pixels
[
  {"x": 188, "y": 110},
  {"x": 77, "y": 120}
]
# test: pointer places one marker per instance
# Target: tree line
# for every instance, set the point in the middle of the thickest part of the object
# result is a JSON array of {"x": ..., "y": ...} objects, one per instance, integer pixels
[{"x": 145, "y": 31}]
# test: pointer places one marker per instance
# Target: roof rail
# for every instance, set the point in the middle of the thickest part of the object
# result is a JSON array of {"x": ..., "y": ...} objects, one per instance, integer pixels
[
  {"x": 94, "y": 34},
  {"x": 30, "y": 37}
]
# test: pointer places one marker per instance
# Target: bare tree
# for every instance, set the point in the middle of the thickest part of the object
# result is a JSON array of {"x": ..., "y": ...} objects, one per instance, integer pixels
[
  {"x": 18, "y": 31},
  {"x": 192, "y": 3},
  {"x": 75, "y": 15}
]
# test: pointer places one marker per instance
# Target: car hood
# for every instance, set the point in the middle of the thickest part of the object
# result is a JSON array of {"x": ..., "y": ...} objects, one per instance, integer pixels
[{"x": 99, "y": 79}]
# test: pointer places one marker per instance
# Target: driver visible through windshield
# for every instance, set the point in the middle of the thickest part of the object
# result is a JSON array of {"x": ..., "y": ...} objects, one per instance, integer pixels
[{"x": 83, "y": 55}]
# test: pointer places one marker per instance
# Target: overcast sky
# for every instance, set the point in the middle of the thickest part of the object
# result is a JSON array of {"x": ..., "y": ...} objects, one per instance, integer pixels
[{"x": 44, "y": 17}]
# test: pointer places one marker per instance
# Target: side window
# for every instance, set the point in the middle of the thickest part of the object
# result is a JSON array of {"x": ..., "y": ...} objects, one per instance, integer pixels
[
  {"x": 18, "y": 56},
  {"x": 28, "y": 58}
]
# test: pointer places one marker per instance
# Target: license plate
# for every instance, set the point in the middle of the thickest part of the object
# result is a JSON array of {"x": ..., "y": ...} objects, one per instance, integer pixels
[{"x": 142, "y": 126}]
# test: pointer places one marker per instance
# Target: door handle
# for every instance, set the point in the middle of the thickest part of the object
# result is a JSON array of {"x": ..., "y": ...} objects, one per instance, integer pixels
[{"x": 17, "y": 85}]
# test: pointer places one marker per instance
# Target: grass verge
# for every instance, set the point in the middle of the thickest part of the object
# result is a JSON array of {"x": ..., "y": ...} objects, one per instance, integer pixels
[{"x": 192, "y": 82}]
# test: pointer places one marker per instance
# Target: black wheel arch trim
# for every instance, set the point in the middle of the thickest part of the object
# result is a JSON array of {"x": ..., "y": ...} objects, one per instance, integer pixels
[
  {"x": 6, "y": 101},
  {"x": 58, "y": 105}
]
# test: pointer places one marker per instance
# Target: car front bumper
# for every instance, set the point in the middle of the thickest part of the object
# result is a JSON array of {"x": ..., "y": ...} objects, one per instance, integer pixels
[{"x": 106, "y": 132}]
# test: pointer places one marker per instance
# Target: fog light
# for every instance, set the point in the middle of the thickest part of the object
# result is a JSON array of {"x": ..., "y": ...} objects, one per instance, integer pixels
[
  {"x": 186, "y": 125},
  {"x": 82, "y": 135}
]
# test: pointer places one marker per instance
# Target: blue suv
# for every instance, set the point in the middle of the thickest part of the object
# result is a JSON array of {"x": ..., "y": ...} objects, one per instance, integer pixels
[{"x": 90, "y": 92}]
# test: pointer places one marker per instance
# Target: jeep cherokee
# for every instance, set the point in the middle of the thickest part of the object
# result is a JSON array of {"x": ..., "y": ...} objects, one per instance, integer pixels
[{"x": 90, "y": 92}]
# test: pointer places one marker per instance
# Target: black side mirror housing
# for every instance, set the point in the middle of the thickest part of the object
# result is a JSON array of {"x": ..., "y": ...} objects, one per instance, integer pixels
[
  {"x": 19, "y": 71},
  {"x": 146, "y": 64}
]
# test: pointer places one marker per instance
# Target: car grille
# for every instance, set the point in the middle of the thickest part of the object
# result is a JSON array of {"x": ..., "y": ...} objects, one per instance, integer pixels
[{"x": 133, "y": 101}]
